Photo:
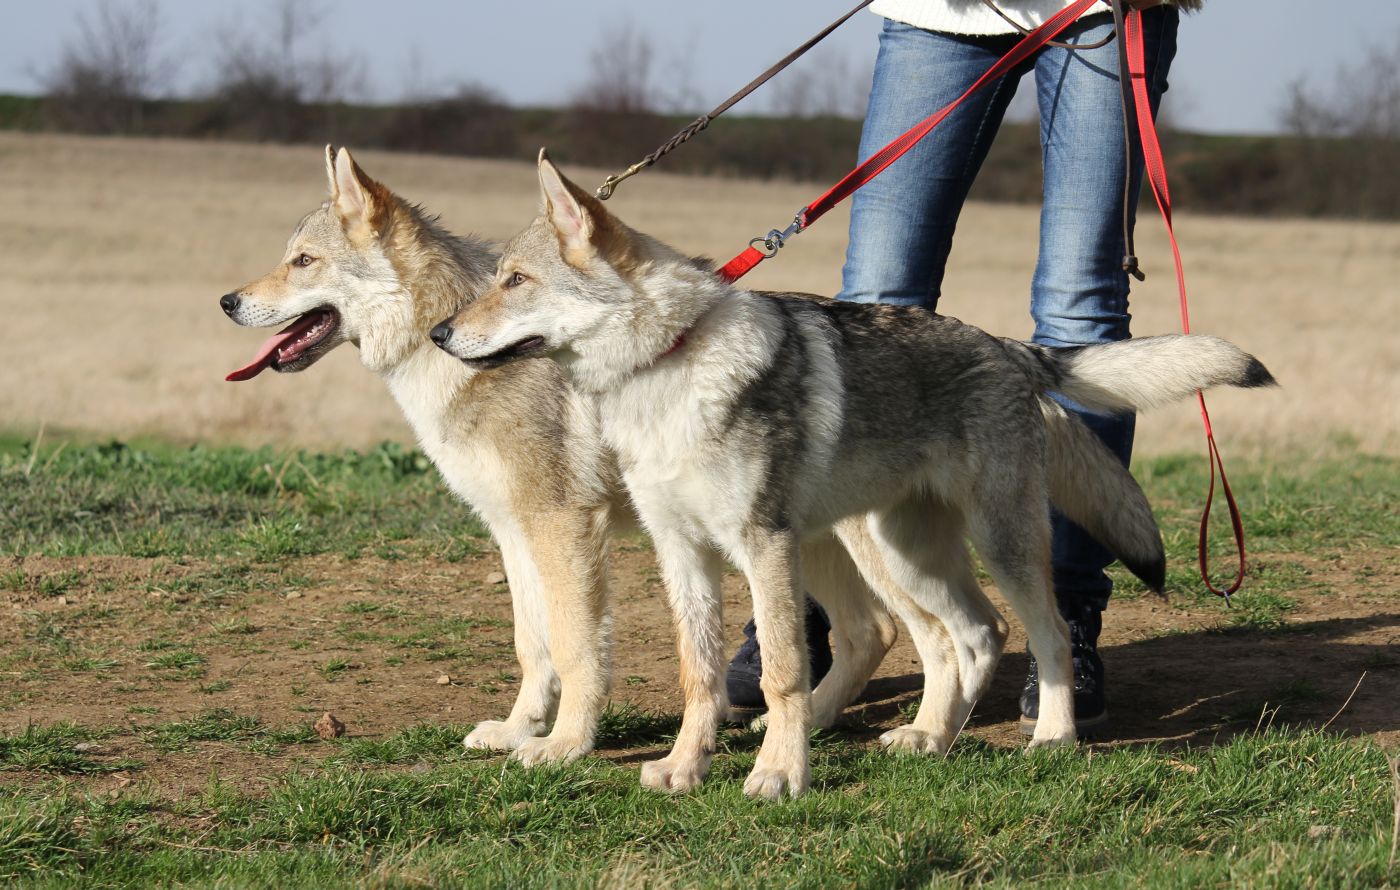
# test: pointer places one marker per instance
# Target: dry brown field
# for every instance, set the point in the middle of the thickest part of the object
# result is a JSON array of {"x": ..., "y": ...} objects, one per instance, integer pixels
[{"x": 114, "y": 251}]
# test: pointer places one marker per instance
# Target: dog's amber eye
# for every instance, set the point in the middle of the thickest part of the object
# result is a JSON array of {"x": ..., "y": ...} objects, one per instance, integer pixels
[
  {"x": 515, "y": 280},
  {"x": 303, "y": 260}
]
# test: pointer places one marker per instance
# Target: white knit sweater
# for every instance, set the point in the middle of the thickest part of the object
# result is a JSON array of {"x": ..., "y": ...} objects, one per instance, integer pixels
[{"x": 973, "y": 16}]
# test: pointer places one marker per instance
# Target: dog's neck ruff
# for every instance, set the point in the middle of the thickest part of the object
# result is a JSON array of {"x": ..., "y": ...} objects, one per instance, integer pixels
[{"x": 679, "y": 342}]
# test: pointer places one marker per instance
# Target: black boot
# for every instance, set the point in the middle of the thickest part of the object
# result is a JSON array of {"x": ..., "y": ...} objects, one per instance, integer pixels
[
  {"x": 1090, "y": 709},
  {"x": 746, "y": 668}
]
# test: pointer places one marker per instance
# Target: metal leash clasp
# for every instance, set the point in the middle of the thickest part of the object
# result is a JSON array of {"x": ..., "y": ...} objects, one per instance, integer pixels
[
  {"x": 775, "y": 239},
  {"x": 605, "y": 191}
]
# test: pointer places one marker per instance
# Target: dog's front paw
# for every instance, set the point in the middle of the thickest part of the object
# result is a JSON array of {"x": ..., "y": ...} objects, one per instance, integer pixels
[
  {"x": 769, "y": 783},
  {"x": 497, "y": 735},
  {"x": 1054, "y": 740},
  {"x": 551, "y": 749},
  {"x": 674, "y": 774},
  {"x": 914, "y": 741}
]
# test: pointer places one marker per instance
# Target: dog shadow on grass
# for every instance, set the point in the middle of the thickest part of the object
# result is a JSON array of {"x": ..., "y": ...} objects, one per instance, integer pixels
[{"x": 1189, "y": 689}]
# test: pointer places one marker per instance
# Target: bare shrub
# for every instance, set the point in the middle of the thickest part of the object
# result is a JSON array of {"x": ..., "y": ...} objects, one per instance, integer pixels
[
  {"x": 1347, "y": 138},
  {"x": 108, "y": 70},
  {"x": 266, "y": 88},
  {"x": 827, "y": 83},
  {"x": 614, "y": 115},
  {"x": 470, "y": 120},
  {"x": 621, "y": 72}
]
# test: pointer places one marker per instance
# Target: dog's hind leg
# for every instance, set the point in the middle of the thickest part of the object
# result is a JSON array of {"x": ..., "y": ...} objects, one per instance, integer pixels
[
  {"x": 539, "y": 684},
  {"x": 862, "y": 631},
  {"x": 769, "y": 558},
  {"x": 570, "y": 548},
  {"x": 922, "y": 566},
  {"x": 1010, "y": 527},
  {"x": 692, "y": 571}
]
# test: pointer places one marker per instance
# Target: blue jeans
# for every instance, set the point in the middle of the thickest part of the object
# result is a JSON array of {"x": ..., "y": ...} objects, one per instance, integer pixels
[{"x": 902, "y": 223}]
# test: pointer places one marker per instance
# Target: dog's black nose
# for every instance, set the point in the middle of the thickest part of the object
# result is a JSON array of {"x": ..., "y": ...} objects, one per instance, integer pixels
[
  {"x": 228, "y": 302},
  {"x": 441, "y": 334}
]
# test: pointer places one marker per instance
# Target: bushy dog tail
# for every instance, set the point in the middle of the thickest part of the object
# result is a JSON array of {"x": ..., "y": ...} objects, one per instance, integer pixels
[
  {"x": 1092, "y": 488},
  {"x": 1148, "y": 372}
]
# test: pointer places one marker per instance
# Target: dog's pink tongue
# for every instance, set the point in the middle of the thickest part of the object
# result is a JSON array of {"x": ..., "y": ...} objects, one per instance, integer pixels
[
  {"x": 268, "y": 351},
  {"x": 263, "y": 359}
]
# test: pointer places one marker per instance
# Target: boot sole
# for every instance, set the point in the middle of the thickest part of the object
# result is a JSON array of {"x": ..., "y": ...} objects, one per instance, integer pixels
[
  {"x": 743, "y": 716},
  {"x": 1087, "y": 728}
]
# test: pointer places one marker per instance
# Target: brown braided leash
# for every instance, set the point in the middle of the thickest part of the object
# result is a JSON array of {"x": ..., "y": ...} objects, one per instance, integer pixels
[{"x": 605, "y": 191}]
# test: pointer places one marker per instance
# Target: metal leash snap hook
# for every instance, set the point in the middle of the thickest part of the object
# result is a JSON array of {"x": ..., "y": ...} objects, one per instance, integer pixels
[
  {"x": 605, "y": 190},
  {"x": 771, "y": 242},
  {"x": 775, "y": 239}
]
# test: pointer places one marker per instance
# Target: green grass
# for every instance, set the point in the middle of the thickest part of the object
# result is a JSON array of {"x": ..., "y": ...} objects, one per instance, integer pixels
[
  {"x": 63, "y": 749},
  {"x": 1278, "y": 809},
  {"x": 267, "y": 505},
  {"x": 263, "y": 505},
  {"x": 223, "y": 725},
  {"x": 1282, "y": 808}
]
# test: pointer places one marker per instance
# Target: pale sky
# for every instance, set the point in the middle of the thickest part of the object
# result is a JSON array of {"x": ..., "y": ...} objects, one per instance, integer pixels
[{"x": 1236, "y": 60}]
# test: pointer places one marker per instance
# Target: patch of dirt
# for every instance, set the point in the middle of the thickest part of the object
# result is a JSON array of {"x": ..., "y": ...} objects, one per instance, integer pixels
[{"x": 132, "y": 643}]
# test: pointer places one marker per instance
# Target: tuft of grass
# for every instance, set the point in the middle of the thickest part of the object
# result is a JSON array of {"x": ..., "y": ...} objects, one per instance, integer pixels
[
  {"x": 89, "y": 665},
  {"x": 422, "y": 742},
  {"x": 236, "y": 627},
  {"x": 365, "y": 607},
  {"x": 263, "y": 504},
  {"x": 627, "y": 726},
  {"x": 56, "y": 749},
  {"x": 1259, "y": 610},
  {"x": 335, "y": 667},
  {"x": 176, "y": 660},
  {"x": 223, "y": 725}
]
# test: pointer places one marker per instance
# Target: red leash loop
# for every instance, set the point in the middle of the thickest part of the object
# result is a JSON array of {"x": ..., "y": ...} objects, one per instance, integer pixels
[
  {"x": 1157, "y": 177},
  {"x": 738, "y": 267}
]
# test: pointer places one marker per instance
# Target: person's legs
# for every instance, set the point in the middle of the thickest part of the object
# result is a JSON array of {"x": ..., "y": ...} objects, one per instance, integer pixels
[
  {"x": 1079, "y": 295},
  {"x": 902, "y": 222}
]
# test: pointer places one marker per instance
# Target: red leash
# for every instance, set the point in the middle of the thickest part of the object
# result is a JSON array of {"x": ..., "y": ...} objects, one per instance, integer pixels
[
  {"x": 876, "y": 163},
  {"x": 1157, "y": 177}
]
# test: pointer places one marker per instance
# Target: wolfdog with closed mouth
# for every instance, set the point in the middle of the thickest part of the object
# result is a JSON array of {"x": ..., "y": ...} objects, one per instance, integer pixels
[{"x": 746, "y": 423}]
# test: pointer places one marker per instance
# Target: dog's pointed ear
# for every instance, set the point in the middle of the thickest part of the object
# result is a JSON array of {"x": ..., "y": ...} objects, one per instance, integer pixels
[
  {"x": 580, "y": 221},
  {"x": 358, "y": 199},
  {"x": 330, "y": 173},
  {"x": 565, "y": 213}
]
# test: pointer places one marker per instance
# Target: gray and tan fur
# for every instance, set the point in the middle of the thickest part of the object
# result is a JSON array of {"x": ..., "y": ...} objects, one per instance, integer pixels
[
  {"x": 746, "y": 425},
  {"x": 522, "y": 448},
  {"x": 519, "y": 445}
]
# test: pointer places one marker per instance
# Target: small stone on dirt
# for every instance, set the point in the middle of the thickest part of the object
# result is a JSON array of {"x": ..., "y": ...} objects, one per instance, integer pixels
[
  {"x": 444, "y": 680},
  {"x": 496, "y": 578},
  {"x": 294, "y": 594},
  {"x": 328, "y": 727},
  {"x": 87, "y": 747}
]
